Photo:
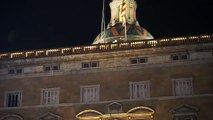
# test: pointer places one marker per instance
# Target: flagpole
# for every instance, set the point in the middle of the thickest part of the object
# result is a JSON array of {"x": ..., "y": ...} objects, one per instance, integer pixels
[
  {"x": 125, "y": 31},
  {"x": 103, "y": 22}
]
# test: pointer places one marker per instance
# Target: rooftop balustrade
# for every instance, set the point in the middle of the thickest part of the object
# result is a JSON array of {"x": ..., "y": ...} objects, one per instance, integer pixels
[{"x": 140, "y": 44}]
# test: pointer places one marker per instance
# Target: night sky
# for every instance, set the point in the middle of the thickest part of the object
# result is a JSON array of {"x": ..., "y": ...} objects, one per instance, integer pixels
[{"x": 40, "y": 24}]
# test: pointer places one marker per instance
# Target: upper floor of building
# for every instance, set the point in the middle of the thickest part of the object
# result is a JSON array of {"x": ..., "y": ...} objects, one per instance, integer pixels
[
  {"x": 107, "y": 57},
  {"x": 176, "y": 70}
]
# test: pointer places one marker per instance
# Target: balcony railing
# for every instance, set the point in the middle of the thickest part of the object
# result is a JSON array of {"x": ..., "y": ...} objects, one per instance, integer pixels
[{"x": 140, "y": 44}]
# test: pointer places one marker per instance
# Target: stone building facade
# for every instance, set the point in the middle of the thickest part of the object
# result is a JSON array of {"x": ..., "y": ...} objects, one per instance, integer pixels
[
  {"x": 160, "y": 79},
  {"x": 125, "y": 75}
]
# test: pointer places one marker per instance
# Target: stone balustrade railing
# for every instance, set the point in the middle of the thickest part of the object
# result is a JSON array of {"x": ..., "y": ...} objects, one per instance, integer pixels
[{"x": 109, "y": 47}]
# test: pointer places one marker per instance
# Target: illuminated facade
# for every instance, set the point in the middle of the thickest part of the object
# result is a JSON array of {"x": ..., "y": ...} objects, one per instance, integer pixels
[
  {"x": 160, "y": 79},
  {"x": 139, "y": 79}
]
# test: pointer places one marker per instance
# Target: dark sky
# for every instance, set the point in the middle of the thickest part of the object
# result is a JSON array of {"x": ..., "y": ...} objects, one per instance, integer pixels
[{"x": 39, "y": 24}]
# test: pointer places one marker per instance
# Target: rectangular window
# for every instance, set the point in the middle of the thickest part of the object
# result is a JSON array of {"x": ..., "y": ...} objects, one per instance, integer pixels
[
  {"x": 183, "y": 56},
  {"x": 55, "y": 67},
  {"x": 51, "y": 67},
  {"x": 85, "y": 65},
  {"x": 90, "y": 64},
  {"x": 182, "y": 87},
  {"x": 11, "y": 71},
  {"x": 94, "y": 64},
  {"x": 15, "y": 70},
  {"x": 138, "y": 60},
  {"x": 90, "y": 93},
  {"x": 133, "y": 61},
  {"x": 139, "y": 90},
  {"x": 18, "y": 70},
  {"x": 47, "y": 68},
  {"x": 175, "y": 57},
  {"x": 13, "y": 98},
  {"x": 142, "y": 60},
  {"x": 50, "y": 96}
]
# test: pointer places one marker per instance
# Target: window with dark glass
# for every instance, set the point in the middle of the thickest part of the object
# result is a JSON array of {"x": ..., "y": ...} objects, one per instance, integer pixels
[
  {"x": 90, "y": 64},
  {"x": 18, "y": 71},
  {"x": 180, "y": 57},
  {"x": 175, "y": 57},
  {"x": 56, "y": 67},
  {"x": 138, "y": 60},
  {"x": 85, "y": 65},
  {"x": 184, "y": 57},
  {"x": 47, "y": 68},
  {"x": 11, "y": 71},
  {"x": 94, "y": 64},
  {"x": 15, "y": 71},
  {"x": 142, "y": 60},
  {"x": 133, "y": 61},
  {"x": 51, "y": 67},
  {"x": 13, "y": 98}
]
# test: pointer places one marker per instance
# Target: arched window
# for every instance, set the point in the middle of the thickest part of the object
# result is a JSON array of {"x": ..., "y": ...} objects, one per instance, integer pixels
[
  {"x": 12, "y": 117},
  {"x": 89, "y": 115},
  {"x": 136, "y": 113},
  {"x": 140, "y": 113}
]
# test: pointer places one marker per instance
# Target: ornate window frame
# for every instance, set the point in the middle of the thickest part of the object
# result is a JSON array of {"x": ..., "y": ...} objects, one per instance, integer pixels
[{"x": 184, "y": 110}]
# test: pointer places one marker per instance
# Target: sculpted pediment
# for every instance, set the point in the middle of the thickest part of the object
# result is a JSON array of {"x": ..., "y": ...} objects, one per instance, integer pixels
[{"x": 184, "y": 108}]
